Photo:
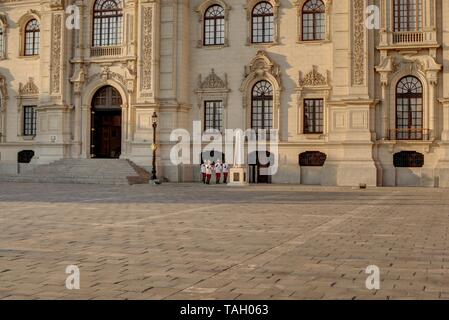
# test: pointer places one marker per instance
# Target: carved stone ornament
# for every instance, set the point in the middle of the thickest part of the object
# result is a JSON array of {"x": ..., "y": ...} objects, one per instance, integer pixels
[
  {"x": 359, "y": 43},
  {"x": 56, "y": 52},
  {"x": 262, "y": 65},
  {"x": 147, "y": 53},
  {"x": 411, "y": 63},
  {"x": 30, "y": 88},
  {"x": 56, "y": 4},
  {"x": 314, "y": 82},
  {"x": 212, "y": 81},
  {"x": 260, "y": 68},
  {"x": 78, "y": 78},
  {"x": 313, "y": 78},
  {"x": 3, "y": 20},
  {"x": 3, "y": 92},
  {"x": 212, "y": 87}
]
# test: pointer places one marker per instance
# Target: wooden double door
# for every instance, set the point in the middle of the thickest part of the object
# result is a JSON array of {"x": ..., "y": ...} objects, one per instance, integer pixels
[
  {"x": 107, "y": 134},
  {"x": 106, "y": 124}
]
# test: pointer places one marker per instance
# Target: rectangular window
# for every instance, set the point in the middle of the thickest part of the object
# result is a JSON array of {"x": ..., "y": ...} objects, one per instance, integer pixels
[
  {"x": 29, "y": 120},
  {"x": 313, "y": 115},
  {"x": 407, "y": 15},
  {"x": 213, "y": 115}
]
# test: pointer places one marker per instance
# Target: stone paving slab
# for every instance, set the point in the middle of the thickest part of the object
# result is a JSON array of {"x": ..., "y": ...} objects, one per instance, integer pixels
[{"x": 191, "y": 241}]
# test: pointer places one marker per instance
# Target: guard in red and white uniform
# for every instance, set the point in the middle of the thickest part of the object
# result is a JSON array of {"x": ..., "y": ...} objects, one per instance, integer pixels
[
  {"x": 203, "y": 172},
  {"x": 208, "y": 171},
  {"x": 225, "y": 167},
  {"x": 218, "y": 170}
]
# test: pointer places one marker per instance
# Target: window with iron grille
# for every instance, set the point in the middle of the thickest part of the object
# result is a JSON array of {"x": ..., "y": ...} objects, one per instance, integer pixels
[
  {"x": 32, "y": 38},
  {"x": 312, "y": 159},
  {"x": 29, "y": 120},
  {"x": 408, "y": 15},
  {"x": 313, "y": 20},
  {"x": 409, "y": 109},
  {"x": 213, "y": 115},
  {"x": 25, "y": 156},
  {"x": 262, "y": 106},
  {"x": 313, "y": 115},
  {"x": 214, "y": 26},
  {"x": 107, "y": 23},
  {"x": 262, "y": 23},
  {"x": 408, "y": 159}
]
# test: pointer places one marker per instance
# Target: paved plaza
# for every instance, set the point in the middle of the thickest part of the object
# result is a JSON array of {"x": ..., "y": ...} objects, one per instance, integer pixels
[{"x": 191, "y": 241}]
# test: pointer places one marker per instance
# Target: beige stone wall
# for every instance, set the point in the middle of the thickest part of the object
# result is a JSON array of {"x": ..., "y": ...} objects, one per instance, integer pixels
[{"x": 162, "y": 59}]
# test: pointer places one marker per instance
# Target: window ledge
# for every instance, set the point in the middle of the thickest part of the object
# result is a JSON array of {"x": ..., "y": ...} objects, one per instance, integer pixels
[
  {"x": 262, "y": 44},
  {"x": 405, "y": 142},
  {"x": 28, "y": 138},
  {"x": 212, "y": 46},
  {"x": 35, "y": 57},
  {"x": 314, "y": 42},
  {"x": 313, "y": 136}
]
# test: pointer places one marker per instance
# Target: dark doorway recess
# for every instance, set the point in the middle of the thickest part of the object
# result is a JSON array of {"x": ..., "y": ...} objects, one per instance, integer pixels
[{"x": 106, "y": 133}]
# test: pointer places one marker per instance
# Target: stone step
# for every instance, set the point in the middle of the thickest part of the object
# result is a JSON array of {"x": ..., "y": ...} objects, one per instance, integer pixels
[{"x": 89, "y": 171}]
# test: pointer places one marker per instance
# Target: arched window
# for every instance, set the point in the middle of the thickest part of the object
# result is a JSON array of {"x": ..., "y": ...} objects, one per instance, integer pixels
[
  {"x": 107, "y": 98},
  {"x": 214, "y": 26},
  {"x": 313, "y": 20},
  {"x": 262, "y": 106},
  {"x": 108, "y": 23},
  {"x": 263, "y": 23},
  {"x": 408, "y": 15},
  {"x": 409, "y": 109},
  {"x": 32, "y": 38}
]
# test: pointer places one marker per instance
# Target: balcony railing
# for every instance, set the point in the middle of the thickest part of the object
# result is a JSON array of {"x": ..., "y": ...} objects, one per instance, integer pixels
[
  {"x": 105, "y": 51},
  {"x": 408, "y": 39},
  {"x": 412, "y": 134}
]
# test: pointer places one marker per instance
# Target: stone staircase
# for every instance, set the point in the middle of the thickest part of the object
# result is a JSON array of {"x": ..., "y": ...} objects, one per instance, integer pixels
[{"x": 88, "y": 171}]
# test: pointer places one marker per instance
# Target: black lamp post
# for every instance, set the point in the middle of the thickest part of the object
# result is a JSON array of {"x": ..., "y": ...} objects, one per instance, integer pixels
[{"x": 154, "y": 147}]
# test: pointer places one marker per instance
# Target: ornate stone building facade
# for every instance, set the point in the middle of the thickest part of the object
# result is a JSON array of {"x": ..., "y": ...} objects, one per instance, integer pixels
[{"x": 352, "y": 104}]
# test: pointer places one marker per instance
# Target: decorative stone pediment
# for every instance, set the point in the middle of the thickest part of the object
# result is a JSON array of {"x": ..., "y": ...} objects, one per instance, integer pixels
[
  {"x": 212, "y": 87},
  {"x": 314, "y": 83},
  {"x": 30, "y": 88},
  {"x": 313, "y": 78},
  {"x": 261, "y": 65},
  {"x": 261, "y": 68},
  {"x": 212, "y": 81}
]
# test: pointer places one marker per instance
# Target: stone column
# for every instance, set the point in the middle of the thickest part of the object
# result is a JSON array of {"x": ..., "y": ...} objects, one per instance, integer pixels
[
  {"x": 77, "y": 125},
  {"x": 445, "y": 133},
  {"x": 3, "y": 103},
  {"x": 125, "y": 129},
  {"x": 85, "y": 132},
  {"x": 385, "y": 112},
  {"x": 431, "y": 118}
]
